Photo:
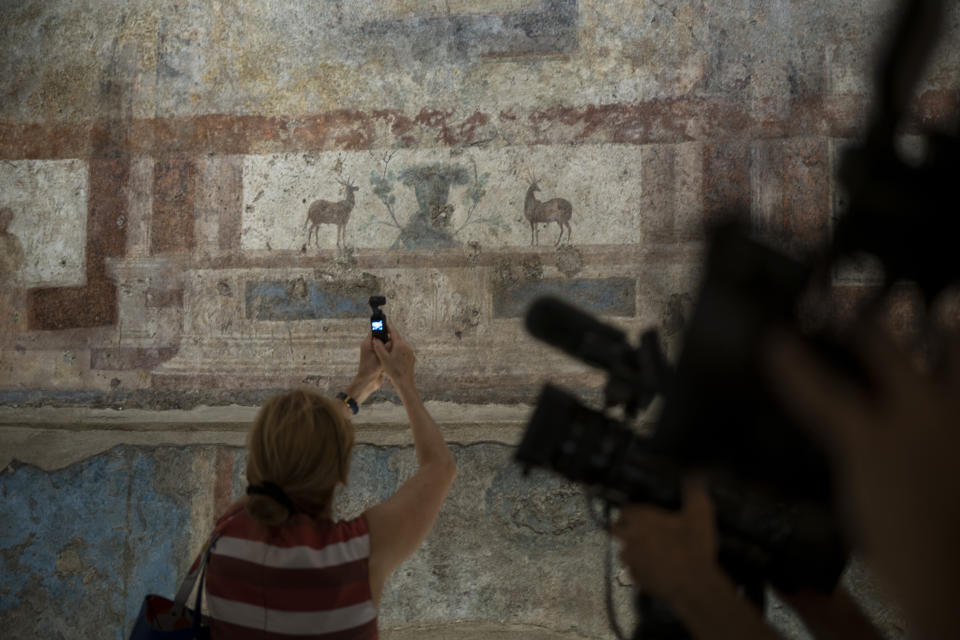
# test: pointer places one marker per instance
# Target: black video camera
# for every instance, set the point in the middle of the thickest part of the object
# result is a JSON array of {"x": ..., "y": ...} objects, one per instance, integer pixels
[
  {"x": 378, "y": 319},
  {"x": 770, "y": 484}
]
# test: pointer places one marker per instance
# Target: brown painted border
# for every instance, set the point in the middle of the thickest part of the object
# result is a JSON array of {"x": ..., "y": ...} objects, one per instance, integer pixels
[
  {"x": 656, "y": 121},
  {"x": 94, "y": 304}
]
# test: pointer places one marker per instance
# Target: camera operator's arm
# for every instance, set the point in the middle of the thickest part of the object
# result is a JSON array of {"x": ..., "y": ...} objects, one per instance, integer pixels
[
  {"x": 895, "y": 451},
  {"x": 672, "y": 556},
  {"x": 399, "y": 524},
  {"x": 832, "y": 617}
]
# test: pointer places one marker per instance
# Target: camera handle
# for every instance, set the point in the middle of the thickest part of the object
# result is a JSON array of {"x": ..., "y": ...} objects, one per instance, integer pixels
[{"x": 656, "y": 621}]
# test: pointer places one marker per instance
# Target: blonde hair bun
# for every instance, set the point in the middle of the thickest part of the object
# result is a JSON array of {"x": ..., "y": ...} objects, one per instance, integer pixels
[{"x": 300, "y": 441}]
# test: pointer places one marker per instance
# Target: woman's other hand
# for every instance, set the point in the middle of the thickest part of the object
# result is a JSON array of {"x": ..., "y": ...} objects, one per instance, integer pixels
[
  {"x": 672, "y": 555},
  {"x": 669, "y": 551},
  {"x": 397, "y": 359},
  {"x": 369, "y": 372}
]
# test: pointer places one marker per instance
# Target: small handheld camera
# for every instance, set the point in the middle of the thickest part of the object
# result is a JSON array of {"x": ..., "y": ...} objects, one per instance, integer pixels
[{"x": 378, "y": 321}]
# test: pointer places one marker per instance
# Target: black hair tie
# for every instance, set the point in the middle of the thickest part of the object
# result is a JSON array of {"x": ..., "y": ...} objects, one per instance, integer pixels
[{"x": 271, "y": 490}]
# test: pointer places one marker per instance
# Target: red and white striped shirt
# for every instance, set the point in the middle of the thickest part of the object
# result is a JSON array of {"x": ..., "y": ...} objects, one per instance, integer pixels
[{"x": 308, "y": 579}]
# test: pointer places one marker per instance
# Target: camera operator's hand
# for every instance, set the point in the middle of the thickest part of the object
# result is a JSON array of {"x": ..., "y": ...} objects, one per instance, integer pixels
[
  {"x": 664, "y": 549},
  {"x": 397, "y": 359},
  {"x": 369, "y": 372},
  {"x": 895, "y": 453},
  {"x": 672, "y": 555},
  {"x": 835, "y": 616}
]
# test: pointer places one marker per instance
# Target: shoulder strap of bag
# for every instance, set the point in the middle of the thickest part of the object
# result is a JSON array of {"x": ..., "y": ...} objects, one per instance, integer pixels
[{"x": 199, "y": 567}]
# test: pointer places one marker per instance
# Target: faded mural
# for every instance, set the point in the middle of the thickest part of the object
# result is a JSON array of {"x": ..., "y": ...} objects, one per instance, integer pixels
[
  {"x": 415, "y": 200},
  {"x": 197, "y": 199}
]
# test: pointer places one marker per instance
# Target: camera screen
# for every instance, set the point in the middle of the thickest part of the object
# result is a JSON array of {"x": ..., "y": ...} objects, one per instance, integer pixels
[{"x": 376, "y": 325}]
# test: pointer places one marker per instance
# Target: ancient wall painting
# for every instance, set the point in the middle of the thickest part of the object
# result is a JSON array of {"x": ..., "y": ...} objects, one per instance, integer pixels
[
  {"x": 47, "y": 204},
  {"x": 434, "y": 200},
  {"x": 432, "y": 225}
]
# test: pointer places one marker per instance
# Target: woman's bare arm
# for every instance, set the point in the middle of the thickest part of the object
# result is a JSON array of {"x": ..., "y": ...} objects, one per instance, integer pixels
[{"x": 400, "y": 524}]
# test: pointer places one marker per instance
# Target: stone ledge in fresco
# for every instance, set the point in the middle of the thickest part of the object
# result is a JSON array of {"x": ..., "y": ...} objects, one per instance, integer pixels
[
  {"x": 515, "y": 360},
  {"x": 471, "y": 389},
  {"x": 377, "y": 414},
  {"x": 226, "y": 345},
  {"x": 603, "y": 296},
  {"x": 472, "y": 255},
  {"x": 54, "y": 449},
  {"x": 39, "y": 439}
]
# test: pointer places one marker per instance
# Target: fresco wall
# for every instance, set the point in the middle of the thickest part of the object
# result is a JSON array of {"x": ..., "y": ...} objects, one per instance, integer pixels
[{"x": 197, "y": 199}]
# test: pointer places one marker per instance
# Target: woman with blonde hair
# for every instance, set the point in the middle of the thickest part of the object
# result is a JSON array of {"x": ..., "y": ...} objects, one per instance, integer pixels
[{"x": 280, "y": 566}]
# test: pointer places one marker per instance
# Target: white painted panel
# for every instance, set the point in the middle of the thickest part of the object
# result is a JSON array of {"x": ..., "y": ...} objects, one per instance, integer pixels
[
  {"x": 601, "y": 183},
  {"x": 49, "y": 203}
]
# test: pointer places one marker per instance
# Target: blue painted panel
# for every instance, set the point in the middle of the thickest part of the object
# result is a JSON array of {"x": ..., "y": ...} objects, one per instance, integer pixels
[
  {"x": 78, "y": 514},
  {"x": 304, "y": 301},
  {"x": 84, "y": 544},
  {"x": 158, "y": 529},
  {"x": 603, "y": 296}
]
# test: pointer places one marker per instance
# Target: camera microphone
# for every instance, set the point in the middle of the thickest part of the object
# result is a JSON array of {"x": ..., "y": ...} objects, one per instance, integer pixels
[
  {"x": 578, "y": 334},
  {"x": 636, "y": 375}
]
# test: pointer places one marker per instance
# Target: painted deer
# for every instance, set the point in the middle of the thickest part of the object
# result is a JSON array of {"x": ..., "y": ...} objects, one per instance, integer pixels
[
  {"x": 557, "y": 210},
  {"x": 326, "y": 212}
]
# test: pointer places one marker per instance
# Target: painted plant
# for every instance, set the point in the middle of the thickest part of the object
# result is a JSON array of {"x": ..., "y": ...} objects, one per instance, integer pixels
[{"x": 433, "y": 225}]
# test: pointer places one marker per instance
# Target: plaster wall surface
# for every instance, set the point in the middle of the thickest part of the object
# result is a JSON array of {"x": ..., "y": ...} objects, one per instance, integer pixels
[
  {"x": 97, "y": 524},
  {"x": 175, "y": 174},
  {"x": 510, "y": 556}
]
